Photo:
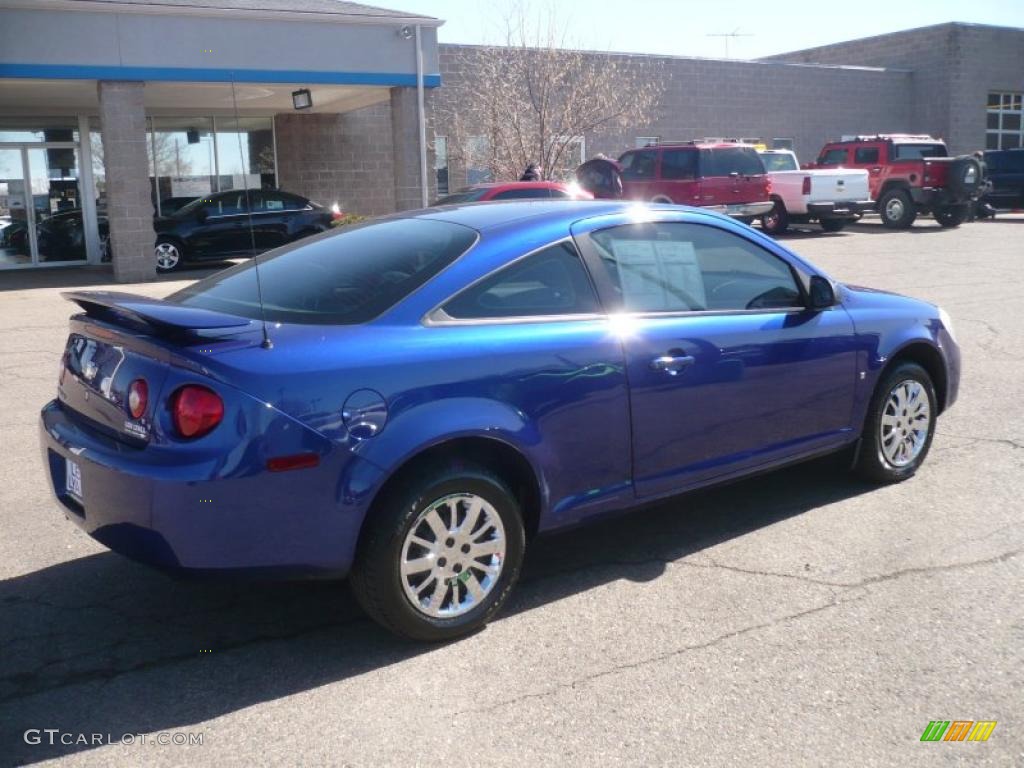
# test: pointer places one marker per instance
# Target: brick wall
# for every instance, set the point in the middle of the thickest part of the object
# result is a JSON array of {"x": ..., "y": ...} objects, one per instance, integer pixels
[
  {"x": 348, "y": 158},
  {"x": 954, "y": 67}
]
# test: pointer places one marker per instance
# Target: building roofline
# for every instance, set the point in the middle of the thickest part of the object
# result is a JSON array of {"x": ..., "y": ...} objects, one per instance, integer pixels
[
  {"x": 223, "y": 11},
  {"x": 909, "y": 31},
  {"x": 441, "y": 47}
]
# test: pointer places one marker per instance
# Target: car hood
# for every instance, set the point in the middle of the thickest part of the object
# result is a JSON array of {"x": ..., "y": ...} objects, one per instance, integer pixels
[{"x": 861, "y": 297}]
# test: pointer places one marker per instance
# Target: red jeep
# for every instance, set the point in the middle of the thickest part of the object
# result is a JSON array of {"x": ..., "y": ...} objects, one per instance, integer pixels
[
  {"x": 909, "y": 175},
  {"x": 728, "y": 177}
]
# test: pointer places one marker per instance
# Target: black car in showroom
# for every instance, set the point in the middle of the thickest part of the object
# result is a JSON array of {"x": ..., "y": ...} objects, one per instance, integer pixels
[{"x": 223, "y": 226}]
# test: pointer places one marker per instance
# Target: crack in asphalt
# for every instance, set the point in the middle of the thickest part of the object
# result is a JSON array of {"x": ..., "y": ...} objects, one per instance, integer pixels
[
  {"x": 993, "y": 440},
  {"x": 835, "y": 602}
]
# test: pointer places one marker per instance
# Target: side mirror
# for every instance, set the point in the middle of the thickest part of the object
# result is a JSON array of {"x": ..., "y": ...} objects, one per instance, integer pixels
[
  {"x": 202, "y": 215},
  {"x": 822, "y": 294}
]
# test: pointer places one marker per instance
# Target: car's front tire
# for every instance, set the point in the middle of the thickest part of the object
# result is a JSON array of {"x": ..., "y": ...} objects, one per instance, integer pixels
[
  {"x": 169, "y": 254},
  {"x": 899, "y": 426},
  {"x": 897, "y": 209},
  {"x": 440, "y": 555}
]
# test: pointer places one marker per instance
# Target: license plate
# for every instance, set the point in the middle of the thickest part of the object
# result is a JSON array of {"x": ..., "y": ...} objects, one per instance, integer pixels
[{"x": 73, "y": 479}]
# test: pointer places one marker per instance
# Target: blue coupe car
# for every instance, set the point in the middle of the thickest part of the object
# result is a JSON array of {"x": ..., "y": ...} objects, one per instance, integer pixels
[{"x": 411, "y": 400}]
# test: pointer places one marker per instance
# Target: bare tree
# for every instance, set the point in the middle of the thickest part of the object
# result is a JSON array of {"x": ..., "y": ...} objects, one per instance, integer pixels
[{"x": 533, "y": 99}]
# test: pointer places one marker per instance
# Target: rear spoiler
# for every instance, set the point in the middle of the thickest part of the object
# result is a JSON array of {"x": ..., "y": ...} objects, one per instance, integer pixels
[{"x": 157, "y": 316}]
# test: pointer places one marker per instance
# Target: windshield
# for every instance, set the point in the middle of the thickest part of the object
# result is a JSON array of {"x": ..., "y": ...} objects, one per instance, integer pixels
[
  {"x": 342, "y": 278},
  {"x": 192, "y": 207},
  {"x": 467, "y": 195},
  {"x": 918, "y": 151},
  {"x": 780, "y": 162}
]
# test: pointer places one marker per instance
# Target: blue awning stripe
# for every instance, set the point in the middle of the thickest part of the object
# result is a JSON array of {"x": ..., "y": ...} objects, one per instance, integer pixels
[{"x": 207, "y": 75}]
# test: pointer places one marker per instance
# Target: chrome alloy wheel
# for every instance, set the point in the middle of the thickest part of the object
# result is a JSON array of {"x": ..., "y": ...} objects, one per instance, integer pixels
[
  {"x": 906, "y": 421},
  {"x": 452, "y": 556},
  {"x": 894, "y": 209},
  {"x": 167, "y": 255}
]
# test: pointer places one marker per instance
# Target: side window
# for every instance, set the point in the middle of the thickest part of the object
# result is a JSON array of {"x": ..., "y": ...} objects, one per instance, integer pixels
[
  {"x": 865, "y": 155},
  {"x": 638, "y": 166},
  {"x": 678, "y": 164},
  {"x": 521, "y": 194},
  {"x": 675, "y": 267},
  {"x": 230, "y": 204},
  {"x": 273, "y": 201},
  {"x": 550, "y": 282},
  {"x": 833, "y": 157},
  {"x": 559, "y": 194}
]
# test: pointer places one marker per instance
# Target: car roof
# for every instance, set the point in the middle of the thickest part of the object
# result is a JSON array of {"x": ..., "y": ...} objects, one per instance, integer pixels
[
  {"x": 517, "y": 185},
  {"x": 490, "y": 215}
]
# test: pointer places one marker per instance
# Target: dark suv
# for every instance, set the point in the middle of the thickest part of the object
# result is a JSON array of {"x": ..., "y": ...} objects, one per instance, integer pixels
[
  {"x": 220, "y": 226},
  {"x": 1005, "y": 170},
  {"x": 728, "y": 177}
]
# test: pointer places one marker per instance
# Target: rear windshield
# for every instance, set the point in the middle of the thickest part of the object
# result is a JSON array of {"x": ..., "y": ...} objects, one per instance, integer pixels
[
  {"x": 338, "y": 279},
  {"x": 743, "y": 161},
  {"x": 918, "y": 151},
  {"x": 467, "y": 195},
  {"x": 781, "y": 162}
]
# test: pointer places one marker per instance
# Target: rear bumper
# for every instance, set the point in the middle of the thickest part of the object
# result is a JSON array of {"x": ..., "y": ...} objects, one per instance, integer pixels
[
  {"x": 208, "y": 516},
  {"x": 927, "y": 198},
  {"x": 844, "y": 209},
  {"x": 743, "y": 209}
]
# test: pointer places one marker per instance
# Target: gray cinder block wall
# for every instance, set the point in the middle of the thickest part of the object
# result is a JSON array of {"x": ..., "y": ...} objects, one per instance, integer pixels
[
  {"x": 708, "y": 97},
  {"x": 345, "y": 158},
  {"x": 954, "y": 67},
  {"x": 126, "y": 164}
]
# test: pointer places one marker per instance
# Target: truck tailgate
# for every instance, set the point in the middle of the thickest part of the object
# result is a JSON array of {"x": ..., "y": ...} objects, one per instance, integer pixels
[{"x": 840, "y": 184}]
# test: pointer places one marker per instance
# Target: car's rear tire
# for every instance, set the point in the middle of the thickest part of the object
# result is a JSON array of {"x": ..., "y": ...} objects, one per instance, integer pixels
[
  {"x": 833, "y": 225},
  {"x": 897, "y": 209},
  {"x": 169, "y": 254},
  {"x": 665, "y": 199},
  {"x": 899, "y": 425},
  {"x": 776, "y": 221},
  {"x": 422, "y": 540},
  {"x": 952, "y": 216}
]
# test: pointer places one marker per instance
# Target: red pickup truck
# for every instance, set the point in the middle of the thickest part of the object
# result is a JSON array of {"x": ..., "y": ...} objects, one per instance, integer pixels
[{"x": 909, "y": 174}]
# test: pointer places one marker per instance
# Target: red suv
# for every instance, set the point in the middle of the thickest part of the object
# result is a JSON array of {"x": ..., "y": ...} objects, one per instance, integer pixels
[
  {"x": 909, "y": 175},
  {"x": 728, "y": 177}
]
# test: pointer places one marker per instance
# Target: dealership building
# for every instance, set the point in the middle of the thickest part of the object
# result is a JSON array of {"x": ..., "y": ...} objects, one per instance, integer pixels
[{"x": 113, "y": 110}]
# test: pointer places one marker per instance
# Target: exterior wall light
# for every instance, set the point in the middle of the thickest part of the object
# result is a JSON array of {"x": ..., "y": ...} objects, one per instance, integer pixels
[{"x": 302, "y": 98}]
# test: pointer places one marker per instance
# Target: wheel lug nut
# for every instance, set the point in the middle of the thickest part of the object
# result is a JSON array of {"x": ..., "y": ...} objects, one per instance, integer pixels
[
  {"x": 449, "y": 542},
  {"x": 457, "y": 568},
  {"x": 465, "y": 549},
  {"x": 442, "y": 562}
]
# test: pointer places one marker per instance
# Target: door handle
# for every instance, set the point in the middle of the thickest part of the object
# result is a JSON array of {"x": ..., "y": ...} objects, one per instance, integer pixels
[{"x": 672, "y": 364}]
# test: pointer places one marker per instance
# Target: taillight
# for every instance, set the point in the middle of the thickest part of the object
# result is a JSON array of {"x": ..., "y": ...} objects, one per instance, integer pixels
[
  {"x": 806, "y": 189},
  {"x": 138, "y": 397},
  {"x": 196, "y": 410}
]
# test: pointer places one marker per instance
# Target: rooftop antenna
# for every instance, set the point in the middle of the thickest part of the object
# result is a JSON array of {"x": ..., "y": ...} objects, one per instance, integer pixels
[
  {"x": 267, "y": 343},
  {"x": 726, "y": 36}
]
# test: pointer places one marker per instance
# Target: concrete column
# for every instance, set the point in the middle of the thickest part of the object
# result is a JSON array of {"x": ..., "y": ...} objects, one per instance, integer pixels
[
  {"x": 129, "y": 208},
  {"x": 405, "y": 134}
]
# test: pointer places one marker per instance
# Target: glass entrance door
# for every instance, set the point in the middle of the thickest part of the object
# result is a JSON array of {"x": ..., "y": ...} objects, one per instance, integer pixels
[
  {"x": 15, "y": 230},
  {"x": 41, "y": 218},
  {"x": 59, "y": 223}
]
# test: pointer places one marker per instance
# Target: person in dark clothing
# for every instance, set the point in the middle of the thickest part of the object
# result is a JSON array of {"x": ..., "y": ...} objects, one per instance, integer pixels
[
  {"x": 532, "y": 173},
  {"x": 980, "y": 208}
]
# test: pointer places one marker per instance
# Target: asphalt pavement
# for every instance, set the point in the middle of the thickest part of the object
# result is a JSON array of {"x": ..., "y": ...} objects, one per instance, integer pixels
[{"x": 799, "y": 618}]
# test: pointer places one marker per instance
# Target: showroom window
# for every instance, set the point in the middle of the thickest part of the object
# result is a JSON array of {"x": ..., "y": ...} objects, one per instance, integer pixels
[
  {"x": 441, "y": 164},
  {"x": 1004, "y": 127}
]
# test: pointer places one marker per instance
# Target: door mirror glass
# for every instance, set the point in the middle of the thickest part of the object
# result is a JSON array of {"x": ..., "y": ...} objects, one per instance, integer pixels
[
  {"x": 202, "y": 215},
  {"x": 822, "y": 293}
]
